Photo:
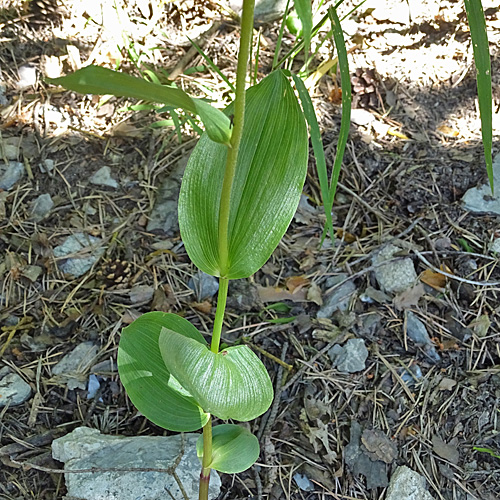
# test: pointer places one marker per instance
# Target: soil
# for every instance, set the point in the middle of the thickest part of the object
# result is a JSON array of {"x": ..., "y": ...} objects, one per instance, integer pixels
[{"x": 403, "y": 178}]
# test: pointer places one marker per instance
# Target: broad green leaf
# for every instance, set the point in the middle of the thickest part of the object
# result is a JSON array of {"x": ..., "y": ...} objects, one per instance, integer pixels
[
  {"x": 231, "y": 384},
  {"x": 150, "y": 386},
  {"x": 477, "y": 24},
  {"x": 304, "y": 11},
  {"x": 234, "y": 449},
  {"x": 270, "y": 174},
  {"x": 97, "y": 80}
]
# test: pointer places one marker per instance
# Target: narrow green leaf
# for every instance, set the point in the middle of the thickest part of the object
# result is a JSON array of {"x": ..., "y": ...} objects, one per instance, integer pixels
[
  {"x": 97, "y": 80},
  {"x": 151, "y": 388},
  {"x": 477, "y": 24},
  {"x": 230, "y": 384},
  {"x": 270, "y": 174},
  {"x": 234, "y": 449},
  {"x": 345, "y": 123},
  {"x": 317, "y": 144},
  {"x": 304, "y": 11}
]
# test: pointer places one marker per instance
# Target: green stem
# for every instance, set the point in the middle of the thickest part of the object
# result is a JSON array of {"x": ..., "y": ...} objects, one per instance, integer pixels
[
  {"x": 206, "y": 460},
  {"x": 219, "y": 314},
  {"x": 239, "y": 112}
]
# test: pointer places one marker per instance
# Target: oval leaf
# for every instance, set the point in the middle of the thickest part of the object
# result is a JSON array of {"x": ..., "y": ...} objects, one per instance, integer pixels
[
  {"x": 151, "y": 388},
  {"x": 231, "y": 384},
  {"x": 97, "y": 80},
  {"x": 270, "y": 174},
  {"x": 234, "y": 449}
]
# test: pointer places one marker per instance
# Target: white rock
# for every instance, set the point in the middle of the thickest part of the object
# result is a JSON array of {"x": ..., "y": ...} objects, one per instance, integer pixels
[
  {"x": 406, "y": 484},
  {"x": 86, "y": 448},
  {"x": 27, "y": 76},
  {"x": 82, "y": 252},
  {"x": 73, "y": 366},
  {"x": 13, "y": 389},
  {"x": 393, "y": 277},
  {"x": 103, "y": 178}
]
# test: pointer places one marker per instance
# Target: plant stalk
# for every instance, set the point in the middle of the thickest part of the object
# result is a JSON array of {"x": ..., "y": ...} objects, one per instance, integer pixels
[
  {"x": 219, "y": 314},
  {"x": 206, "y": 460},
  {"x": 239, "y": 112},
  {"x": 232, "y": 156}
]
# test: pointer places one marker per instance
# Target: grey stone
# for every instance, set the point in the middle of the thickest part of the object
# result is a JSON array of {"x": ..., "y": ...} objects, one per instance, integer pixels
[
  {"x": 103, "y": 178},
  {"x": 265, "y": 11},
  {"x": 203, "y": 285},
  {"x": 10, "y": 174},
  {"x": 408, "y": 485},
  {"x": 338, "y": 300},
  {"x": 3, "y": 100},
  {"x": 73, "y": 367},
  {"x": 141, "y": 294},
  {"x": 41, "y": 207},
  {"x": 78, "y": 244},
  {"x": 351, "y": 357},
  {"x": 495, "y": 246},
  {"x": 417, "y": 332},
  {"x": 479, "y": 199},
  {"x": 411, "y": 376},
  {"x": 86, "y": 448},
  {"x": 13, "y": 389},
  {"x": 164, "y": 214},
  {"x": 393, "y": 277}
]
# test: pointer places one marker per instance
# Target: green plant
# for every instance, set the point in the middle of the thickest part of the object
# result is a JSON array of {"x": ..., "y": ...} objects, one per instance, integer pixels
[{"x": 240, "y": 190}]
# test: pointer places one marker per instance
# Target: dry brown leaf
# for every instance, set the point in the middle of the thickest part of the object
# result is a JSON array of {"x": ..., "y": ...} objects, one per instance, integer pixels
[
  {"x": 448, "y": 131},
  {"x": 409, "y": 297},
  {"x": 295, "y": 283},
  {"x": 346, "y": 236},
  {"x": 434, "y": 279},
  {"x": 204, "y": 307},
  {"x": 276, "y": 294}
]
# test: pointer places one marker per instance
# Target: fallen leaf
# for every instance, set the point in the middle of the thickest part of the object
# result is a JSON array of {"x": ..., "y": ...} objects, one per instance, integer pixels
[
  {"x": 447, "y": 384},
  {"x": 276, "y": 294},
  {"x": 379, "y": 446},
  {"x": 481, "y": 325},
  {"x": 296, "y": 283},
  {"x": 396, "y": 133},
  {"x": 443, "y": 450},
  {"x": 409, "y": 297},
  {"x": 434, "y": 279},
  {"x": 204, "y": 307},
  {"x": 344, "y": 235},
  {"x": 448, "y": 131},
  {"x": 314, "y": 294}
]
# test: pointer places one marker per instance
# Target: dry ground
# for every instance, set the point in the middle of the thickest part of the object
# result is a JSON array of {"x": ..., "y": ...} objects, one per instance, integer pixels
[{"x": 402, "y": 181}]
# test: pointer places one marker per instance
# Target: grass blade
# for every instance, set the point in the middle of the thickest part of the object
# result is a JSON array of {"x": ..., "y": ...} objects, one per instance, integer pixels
[
  {"x": 280, "y": 36},
  {"x": 317, "y": 144},
  {"x": 477, "y": 24},
  {"x": 212, "y": 65},
  {"x": 345, "y": 81}
]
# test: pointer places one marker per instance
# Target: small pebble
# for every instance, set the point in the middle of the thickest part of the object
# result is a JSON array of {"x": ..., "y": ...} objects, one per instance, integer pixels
[{"x": 13, "y": 389}]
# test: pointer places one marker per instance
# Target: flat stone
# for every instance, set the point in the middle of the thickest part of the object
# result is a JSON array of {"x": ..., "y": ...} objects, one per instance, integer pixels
[
  {"x": 265, "y": 11},
  {"x": 351, "y": 357},
  {"x": 417, "y": 332},
  {"x": 103, "y": 178},
  {"x": 82, "y": 244},
  {"x": 10, "y": 174},
  {"x": 41, "y": 207},
  {"x": 73, "y": 367},
  {"x": 408, "y": 485},
  {"x": 13, "y": 389},
  {"x": 86, "y": 448},
  {"x": 339, "y": 299},
  {"x": 204, "y": 285},
  {"x": 479, "y": 199},
  {"x": 164, "y": 215},
  {"x": 393, "y": 277}
]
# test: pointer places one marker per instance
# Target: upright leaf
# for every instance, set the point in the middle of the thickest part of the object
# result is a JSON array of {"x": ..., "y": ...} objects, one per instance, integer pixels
[
  {"x": 230, "y": 384},
  {"x": 151, "y": 388},
  {"x": 270, "y": 174},
  {"x": 97, "y": 80},
  {"x": 304, "y": 11},
  {"x": 477, "y": 24}
]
